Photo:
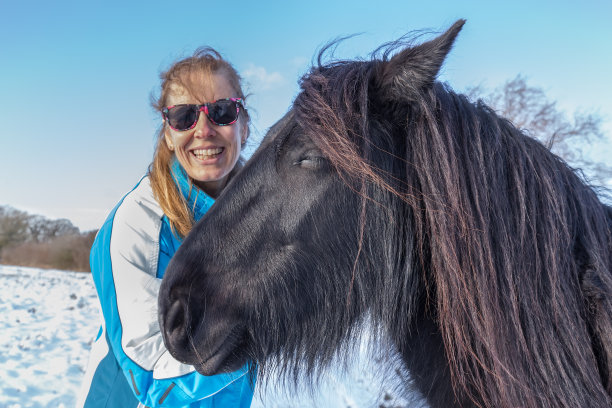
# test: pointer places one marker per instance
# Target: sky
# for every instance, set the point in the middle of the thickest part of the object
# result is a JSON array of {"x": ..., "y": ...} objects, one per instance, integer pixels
[{"x": 77, "y": 130}]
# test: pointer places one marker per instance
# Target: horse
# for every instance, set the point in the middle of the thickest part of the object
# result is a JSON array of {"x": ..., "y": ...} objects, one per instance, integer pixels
[{"x": 384, "y": 195}]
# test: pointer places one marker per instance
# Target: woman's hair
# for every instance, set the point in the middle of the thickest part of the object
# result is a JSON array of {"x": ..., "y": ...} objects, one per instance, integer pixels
[{"x": 188, "y": 74}]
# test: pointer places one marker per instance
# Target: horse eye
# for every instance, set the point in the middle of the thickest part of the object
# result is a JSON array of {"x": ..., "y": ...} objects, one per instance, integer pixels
[{"x": 310, "y": 162}]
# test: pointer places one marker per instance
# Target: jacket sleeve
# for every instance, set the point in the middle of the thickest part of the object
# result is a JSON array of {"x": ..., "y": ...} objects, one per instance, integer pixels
[{"x": 124, "y": 265}]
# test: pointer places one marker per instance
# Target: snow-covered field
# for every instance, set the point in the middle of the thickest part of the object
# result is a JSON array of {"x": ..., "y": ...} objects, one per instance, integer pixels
[{"x": 48, "y": 319}]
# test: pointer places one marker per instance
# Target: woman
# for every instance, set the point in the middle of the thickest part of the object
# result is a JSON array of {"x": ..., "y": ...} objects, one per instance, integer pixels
[{"x": 204, "y": 128}]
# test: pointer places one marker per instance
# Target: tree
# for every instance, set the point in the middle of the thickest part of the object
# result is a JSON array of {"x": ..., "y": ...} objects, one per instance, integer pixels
[
  {"x": 13, "y": 226},
  {"x": 42, "y": 229},
  {"x": 529, "y": 109}
]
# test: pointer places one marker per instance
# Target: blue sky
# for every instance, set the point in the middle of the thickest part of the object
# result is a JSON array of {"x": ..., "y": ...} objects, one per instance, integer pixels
[{"x": 77, "y": 130}]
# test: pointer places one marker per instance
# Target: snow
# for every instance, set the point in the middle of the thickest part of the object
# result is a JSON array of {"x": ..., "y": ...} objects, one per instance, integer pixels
[{"x": 48, "y": 319}]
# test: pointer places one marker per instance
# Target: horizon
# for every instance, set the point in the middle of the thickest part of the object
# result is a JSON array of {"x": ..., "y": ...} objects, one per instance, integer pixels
[{"x": 78, "y": 130}]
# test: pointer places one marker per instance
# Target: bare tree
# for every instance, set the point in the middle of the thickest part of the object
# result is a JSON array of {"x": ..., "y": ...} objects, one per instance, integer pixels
[
  {"x": 42, "y": 229},
  {"x": 13, "y": 226},
  {"x": 528, "y": 108}
]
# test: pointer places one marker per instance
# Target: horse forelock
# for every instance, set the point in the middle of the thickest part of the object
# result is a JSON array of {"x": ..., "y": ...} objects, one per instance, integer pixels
[{"x": 511, "y": 235}]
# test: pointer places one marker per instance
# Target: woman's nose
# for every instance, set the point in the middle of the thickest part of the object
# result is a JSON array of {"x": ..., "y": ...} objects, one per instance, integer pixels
[{"x": 204, "y": 127}]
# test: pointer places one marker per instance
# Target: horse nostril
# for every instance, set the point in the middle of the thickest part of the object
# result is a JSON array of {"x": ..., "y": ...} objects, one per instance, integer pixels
[{"x": 175, "y": 322}]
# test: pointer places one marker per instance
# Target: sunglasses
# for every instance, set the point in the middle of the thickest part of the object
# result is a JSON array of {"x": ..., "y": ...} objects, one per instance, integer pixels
[{"x": 221, "y": 112}]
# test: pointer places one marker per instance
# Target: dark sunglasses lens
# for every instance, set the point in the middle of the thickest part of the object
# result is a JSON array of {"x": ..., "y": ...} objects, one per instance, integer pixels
[
  {"x": 182, "y": 117},
  {"x": 223, "y": 112}
]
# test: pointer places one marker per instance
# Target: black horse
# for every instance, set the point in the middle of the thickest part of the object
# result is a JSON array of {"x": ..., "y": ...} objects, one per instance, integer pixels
[{"x": 483, "y": 257}]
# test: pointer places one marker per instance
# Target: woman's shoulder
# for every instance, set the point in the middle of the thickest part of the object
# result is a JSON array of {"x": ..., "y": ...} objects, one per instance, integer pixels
[
  {"x": 141, "y": 198},
  {"x": 132, "y": 230},
  {"x": 137, "y": 212}
]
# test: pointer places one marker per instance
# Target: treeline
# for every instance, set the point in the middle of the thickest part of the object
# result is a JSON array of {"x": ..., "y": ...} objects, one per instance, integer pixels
[{"x": 36, "y": 241}]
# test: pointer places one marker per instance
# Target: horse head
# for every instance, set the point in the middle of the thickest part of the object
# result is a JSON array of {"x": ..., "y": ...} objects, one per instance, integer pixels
[{"x": 383, "y": 193}]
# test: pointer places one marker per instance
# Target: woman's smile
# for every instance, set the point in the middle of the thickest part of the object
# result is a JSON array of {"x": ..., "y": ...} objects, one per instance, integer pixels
[{"x": 207, "y": 154}]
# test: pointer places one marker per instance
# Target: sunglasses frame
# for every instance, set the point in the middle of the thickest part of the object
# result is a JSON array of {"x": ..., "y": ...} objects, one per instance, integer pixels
[{"x": 204, "y": 108}]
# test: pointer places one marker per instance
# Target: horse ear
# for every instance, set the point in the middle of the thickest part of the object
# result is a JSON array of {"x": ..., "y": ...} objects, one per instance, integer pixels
[{"x": 416, "y": 68}]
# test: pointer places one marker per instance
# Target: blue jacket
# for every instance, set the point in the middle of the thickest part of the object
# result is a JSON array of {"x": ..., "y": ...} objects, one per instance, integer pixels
[{"x": 129, "y": 365}]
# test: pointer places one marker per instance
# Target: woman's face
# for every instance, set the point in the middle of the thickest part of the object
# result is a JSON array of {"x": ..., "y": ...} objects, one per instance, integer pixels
[{"x": 208, "y": 152}]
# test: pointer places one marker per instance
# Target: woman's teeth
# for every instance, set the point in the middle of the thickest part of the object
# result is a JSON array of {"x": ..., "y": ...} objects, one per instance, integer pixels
[{"x": 204, "y": 154}]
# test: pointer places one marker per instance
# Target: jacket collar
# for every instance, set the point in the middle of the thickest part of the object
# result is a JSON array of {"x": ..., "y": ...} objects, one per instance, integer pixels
[{"x": 199, "y": 202}]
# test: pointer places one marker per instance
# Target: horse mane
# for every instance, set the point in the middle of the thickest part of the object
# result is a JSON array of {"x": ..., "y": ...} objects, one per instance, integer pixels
[{"x": 516, "y": 248}]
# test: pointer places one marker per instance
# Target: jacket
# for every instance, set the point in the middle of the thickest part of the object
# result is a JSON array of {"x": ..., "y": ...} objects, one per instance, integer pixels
[{"x": 129, "y": 365}]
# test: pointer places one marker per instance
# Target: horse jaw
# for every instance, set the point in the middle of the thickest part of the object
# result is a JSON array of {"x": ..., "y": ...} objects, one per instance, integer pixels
[{"x": 228, "y": 355}]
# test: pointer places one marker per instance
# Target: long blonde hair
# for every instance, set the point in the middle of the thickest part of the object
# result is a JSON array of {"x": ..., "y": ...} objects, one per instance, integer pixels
[{"x": 205, "y": 61}]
